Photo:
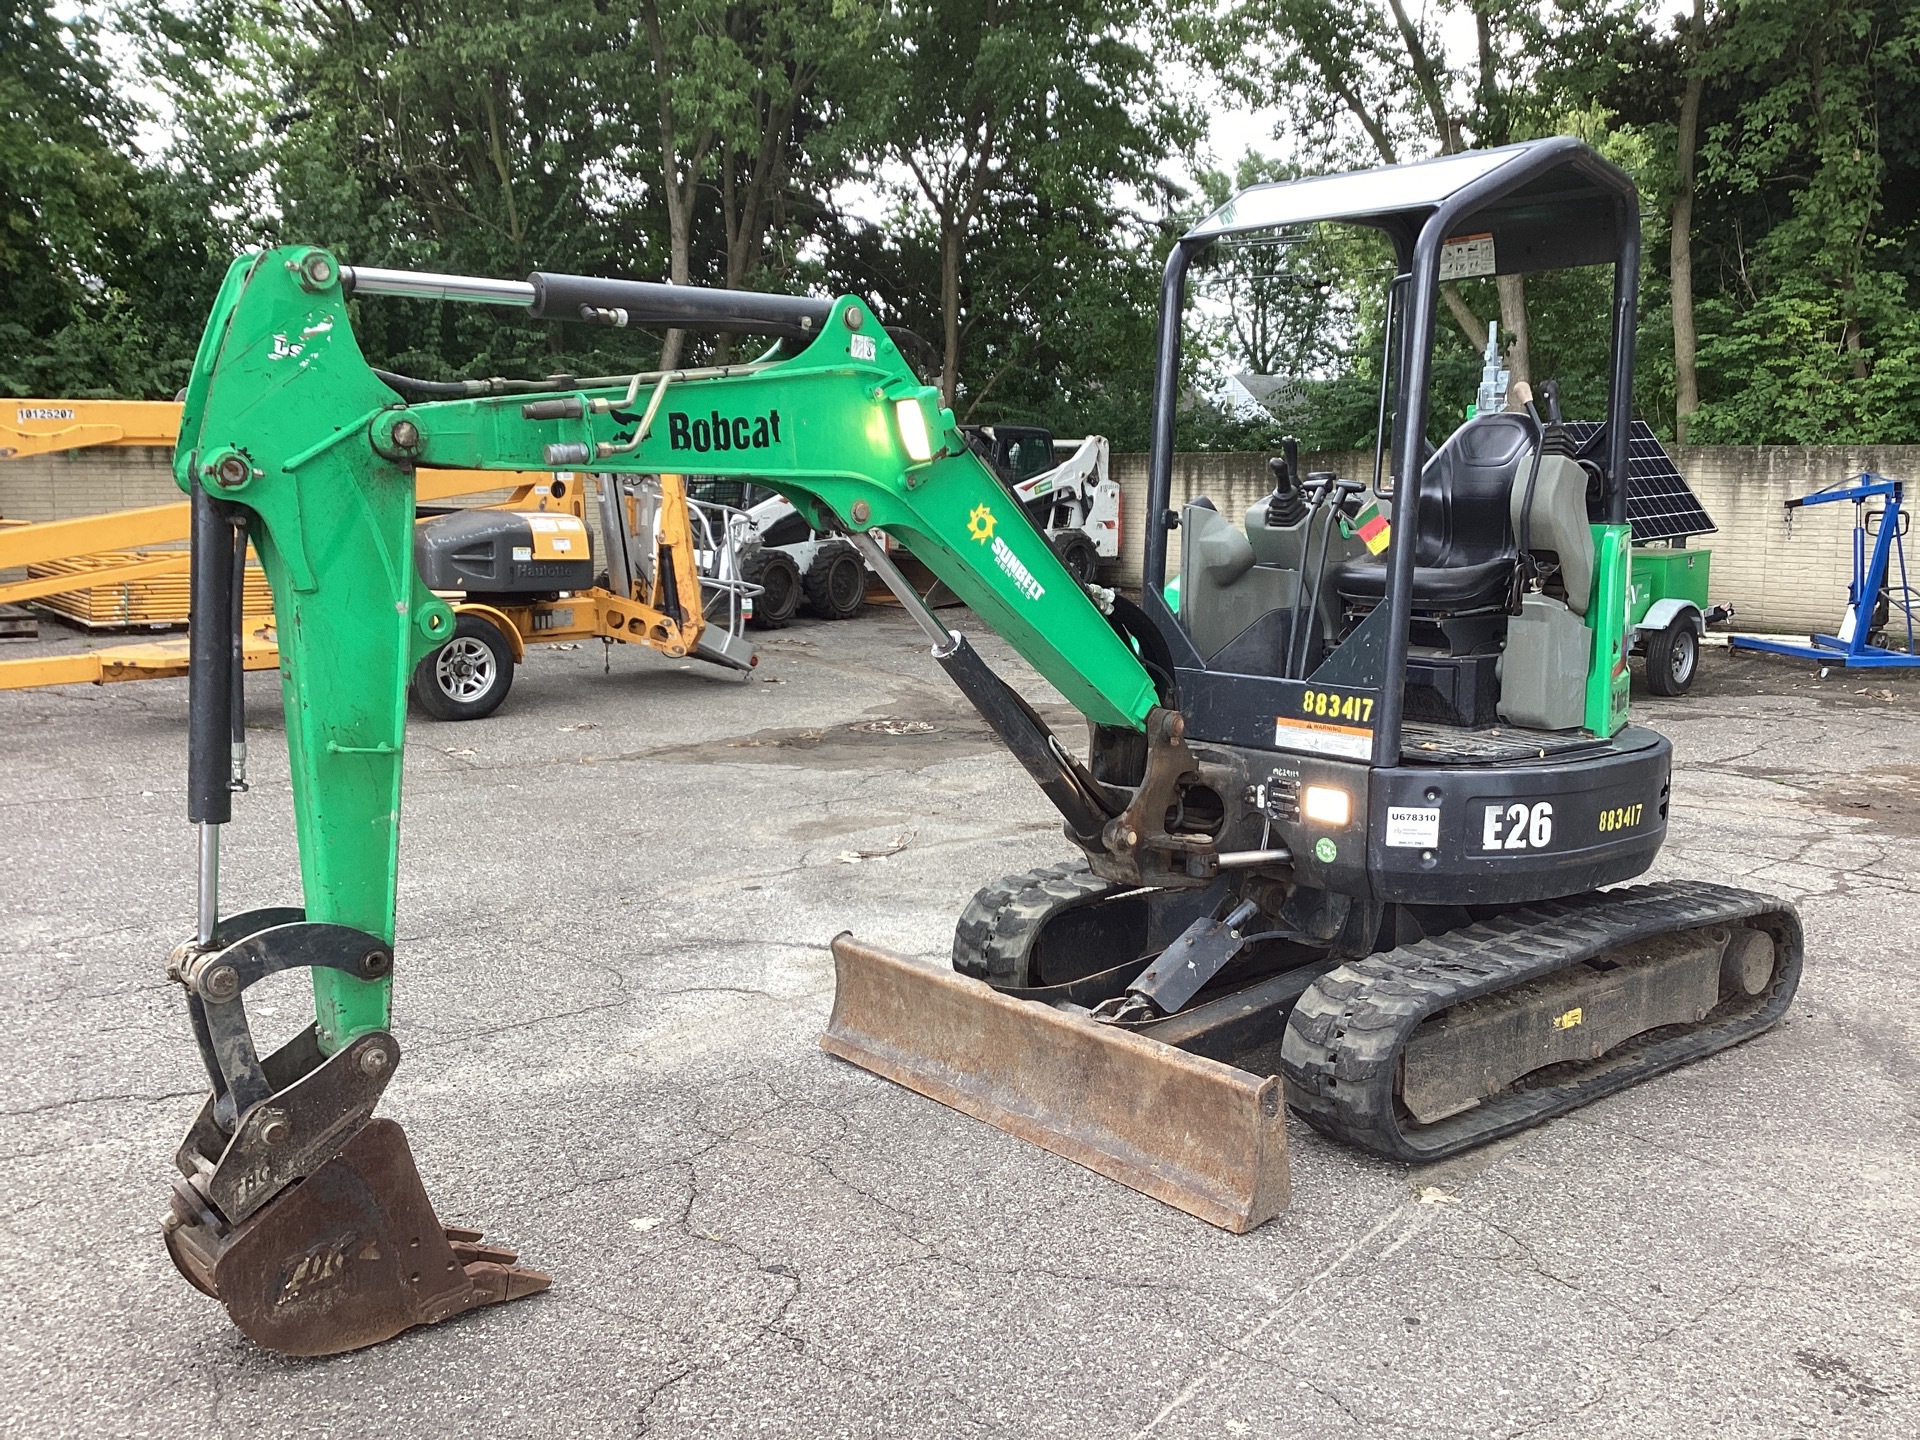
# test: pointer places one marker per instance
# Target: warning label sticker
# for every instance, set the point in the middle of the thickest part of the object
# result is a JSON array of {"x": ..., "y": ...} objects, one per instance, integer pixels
[
  {"x": 1466, "y": 256},
  {"x": 1350, "y": 742},
  {"x": 1413, "y": 829}
]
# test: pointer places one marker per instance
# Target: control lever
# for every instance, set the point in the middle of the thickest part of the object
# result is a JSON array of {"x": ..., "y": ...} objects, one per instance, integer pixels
[
  {"x": 1322, "y": 486},
  {"x": 1343, "y": 492},
  {"x": 1286, "y": 507}
]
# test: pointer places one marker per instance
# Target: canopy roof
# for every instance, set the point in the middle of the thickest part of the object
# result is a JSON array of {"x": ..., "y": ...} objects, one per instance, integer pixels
[{"x": 1561, "y": 203}]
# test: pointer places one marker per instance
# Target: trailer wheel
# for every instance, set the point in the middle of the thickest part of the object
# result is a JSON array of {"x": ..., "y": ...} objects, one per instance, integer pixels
[
  {"x": 1673, "y": 658},
  {"x": 1077, "y": 552},
  {"x": 779, "y": 581},
  {"x": 468, "y": 677},
  {"x": 837, "y": 582}
]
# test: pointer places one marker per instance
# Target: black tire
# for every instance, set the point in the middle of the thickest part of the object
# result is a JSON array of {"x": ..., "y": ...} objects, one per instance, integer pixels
[
  {"x": 779, "y": 581},
  {"x": 468, "y": 677},
  {"x": 1078, "y": 553},
  {"x": 836, "y": 582},
  {"x": 1673, "y": 658}
]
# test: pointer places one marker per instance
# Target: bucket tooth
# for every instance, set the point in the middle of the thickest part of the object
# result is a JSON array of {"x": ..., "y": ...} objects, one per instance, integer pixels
[
  {"x": 1197, "y": 1134},
  {"x": 345, "y": 1258}
]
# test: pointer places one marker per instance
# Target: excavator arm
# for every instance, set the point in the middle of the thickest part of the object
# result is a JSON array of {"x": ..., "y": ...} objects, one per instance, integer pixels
[{"x": 290, "y": 441}]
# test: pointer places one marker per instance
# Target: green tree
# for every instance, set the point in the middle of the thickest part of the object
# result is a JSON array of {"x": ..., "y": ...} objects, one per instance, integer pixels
[
  {"x": 96, "y": 247},
  {"x": 736, "y": 90},
  {"x": 1049, "y": 108},
  {"x": 1814, "y": 339}
]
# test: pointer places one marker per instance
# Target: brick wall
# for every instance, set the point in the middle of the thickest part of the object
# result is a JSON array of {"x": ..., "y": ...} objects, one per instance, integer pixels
[
  {"x": 1789, "y": 579},
  {"x": 1785, "y": 577},
  {"x": 86, "y": 482}
]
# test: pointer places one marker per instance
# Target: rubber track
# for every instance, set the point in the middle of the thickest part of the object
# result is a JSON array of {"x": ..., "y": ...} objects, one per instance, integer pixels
[
  {"x": 1342, "y": 1048},
  {"x": 998, "y": 927}
]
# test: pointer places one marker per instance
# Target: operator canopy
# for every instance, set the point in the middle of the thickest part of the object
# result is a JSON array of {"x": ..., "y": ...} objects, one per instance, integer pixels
[{"x": 1565, "y": 215}]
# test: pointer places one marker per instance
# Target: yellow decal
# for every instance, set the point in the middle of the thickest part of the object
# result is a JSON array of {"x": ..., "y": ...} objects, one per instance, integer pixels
[
  {"x": 1567, "y": 1021},
  {"x": 1324, "y": 704},
  {"x": 980, "y": 523},
  {"x": 1621, "y": 817}
]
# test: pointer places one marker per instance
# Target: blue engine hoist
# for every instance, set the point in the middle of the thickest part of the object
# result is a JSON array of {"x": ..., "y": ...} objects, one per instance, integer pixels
[{"x": 1873, "y": 599}]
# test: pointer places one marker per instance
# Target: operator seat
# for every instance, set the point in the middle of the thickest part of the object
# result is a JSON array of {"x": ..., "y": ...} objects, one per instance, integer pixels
[{"x": 1464, "y": 554}]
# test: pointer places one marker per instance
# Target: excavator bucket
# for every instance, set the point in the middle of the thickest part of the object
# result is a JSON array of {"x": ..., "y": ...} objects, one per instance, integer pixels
[
  {"x": 345, "y": 1258},
  {"x": 1193, "y": 1132}
]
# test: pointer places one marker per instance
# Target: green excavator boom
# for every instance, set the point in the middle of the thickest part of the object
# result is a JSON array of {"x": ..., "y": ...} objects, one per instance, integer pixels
[
  {"x": 296, "y": 1205},
  {"x": 285, "y": 419}
]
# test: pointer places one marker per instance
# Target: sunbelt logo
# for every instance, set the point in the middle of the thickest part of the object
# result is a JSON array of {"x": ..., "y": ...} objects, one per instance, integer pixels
[
  {"x": 714, "y": 431},
  {"x": 1021, "y": 576},
  {"x": 980, "y": 525}
]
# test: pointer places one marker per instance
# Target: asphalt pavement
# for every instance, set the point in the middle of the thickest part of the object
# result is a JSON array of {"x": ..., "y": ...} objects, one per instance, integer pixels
[{"x": 612, "y": 972}]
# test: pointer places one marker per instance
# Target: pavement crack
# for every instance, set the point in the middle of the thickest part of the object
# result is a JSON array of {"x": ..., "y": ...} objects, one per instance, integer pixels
[
  {"x": 1301, "y": 1299},
  {"x": 73, "y": 1102},
  {"x": 1531, "y": 1256}
]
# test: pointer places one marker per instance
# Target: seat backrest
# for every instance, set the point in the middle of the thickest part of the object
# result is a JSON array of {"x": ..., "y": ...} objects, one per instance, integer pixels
[
  {"x": 1559, "y": 523},
  {"x": 1222, "y": 591},
  {"x": 1466, "y": 489}
]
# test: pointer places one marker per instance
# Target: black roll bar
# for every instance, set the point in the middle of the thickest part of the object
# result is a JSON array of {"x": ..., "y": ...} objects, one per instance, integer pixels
[{"x": 1411, "y": 403}]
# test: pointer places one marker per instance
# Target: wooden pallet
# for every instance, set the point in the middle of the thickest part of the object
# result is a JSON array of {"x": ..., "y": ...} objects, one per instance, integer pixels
[
  {"x": 160, "y": 601},
  {"x": 18, "y": 623}
]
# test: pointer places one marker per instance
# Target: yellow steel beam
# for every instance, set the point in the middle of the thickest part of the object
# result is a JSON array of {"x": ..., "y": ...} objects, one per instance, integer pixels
[
  {"x": 39, "y": 427},
  {"x": 90, "y": 534},
  {"x": 447, "y": 484},
  {"x": 43, "y": 585},
  {"x": 33, "y": 671},
  {"x": 151, "y": 660},
  {"x": 162, "y": 524}
]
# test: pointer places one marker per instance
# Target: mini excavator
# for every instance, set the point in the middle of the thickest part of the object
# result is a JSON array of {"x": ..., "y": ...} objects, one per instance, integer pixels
[{"x": 1344, "y": 820}]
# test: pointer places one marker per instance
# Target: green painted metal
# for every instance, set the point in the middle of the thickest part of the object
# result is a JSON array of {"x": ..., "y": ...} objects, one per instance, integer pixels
[
  {"x": 822, "y": 428},
  {"x": 279, "y": 379},
  {"x": 1681, "y": 574},
  {"x": 1609, "y": 682}
]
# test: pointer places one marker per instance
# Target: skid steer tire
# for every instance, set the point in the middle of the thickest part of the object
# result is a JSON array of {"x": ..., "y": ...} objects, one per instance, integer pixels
[
  {"x": 1078, "y": 554},
  {"x": 779, "y": 581},
  {"x": 468, "y": 677},
  {"x": 836, "y": 582}
]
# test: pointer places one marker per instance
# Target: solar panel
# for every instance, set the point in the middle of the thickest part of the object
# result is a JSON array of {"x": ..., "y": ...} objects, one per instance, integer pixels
[{"x": 1659, "y": 503}]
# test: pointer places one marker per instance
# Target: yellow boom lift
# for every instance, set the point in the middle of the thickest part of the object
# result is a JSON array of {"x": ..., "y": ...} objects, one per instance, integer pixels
[{"x": 520, "y": 570}]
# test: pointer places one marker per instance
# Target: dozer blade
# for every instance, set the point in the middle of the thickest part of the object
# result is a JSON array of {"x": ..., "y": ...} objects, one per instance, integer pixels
[
  {"x": 348, "y": 1257},
  {"x": 1192, "y": 1132}
]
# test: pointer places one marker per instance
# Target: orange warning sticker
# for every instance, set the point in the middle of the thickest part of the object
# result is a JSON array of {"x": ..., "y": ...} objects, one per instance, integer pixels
[{"x": 1349, "y": 742}]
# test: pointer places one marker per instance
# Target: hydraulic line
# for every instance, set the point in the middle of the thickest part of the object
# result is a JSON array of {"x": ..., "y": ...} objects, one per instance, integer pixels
[
  {"x": 1074, "y": 793},
  {"x": 237, "y": 625}
]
